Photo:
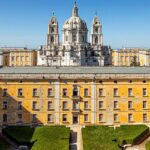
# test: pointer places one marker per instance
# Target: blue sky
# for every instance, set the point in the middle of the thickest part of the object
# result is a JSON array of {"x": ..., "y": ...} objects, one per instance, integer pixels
[{"x": 126, "y": 23}]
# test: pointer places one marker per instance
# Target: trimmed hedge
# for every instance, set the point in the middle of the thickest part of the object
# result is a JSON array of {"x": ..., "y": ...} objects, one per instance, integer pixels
[
  {"x": 99, "y": 138},
  {"x": 40, "y": 138},
  {"x": 51, "y": 138},
  {"x": 103, "y": 137},
  {"x": 148, "y": 145},
  {"x": 130, "y": 134}
]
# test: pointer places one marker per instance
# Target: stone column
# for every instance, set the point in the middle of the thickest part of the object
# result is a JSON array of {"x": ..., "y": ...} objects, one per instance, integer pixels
[
  {"x": 57, "y": 102},
  {"x": 78, "y": 37}
]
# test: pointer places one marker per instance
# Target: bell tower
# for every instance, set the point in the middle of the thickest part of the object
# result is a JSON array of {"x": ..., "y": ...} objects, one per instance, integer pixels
[
  {"x": 96, "y": 32},
  {"x": 53, "y": 35}
]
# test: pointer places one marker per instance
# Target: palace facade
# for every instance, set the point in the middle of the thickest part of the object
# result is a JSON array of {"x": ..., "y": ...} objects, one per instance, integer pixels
[
  {"x": 74, "y": 95},
  {"x": 67, "y": 82}
]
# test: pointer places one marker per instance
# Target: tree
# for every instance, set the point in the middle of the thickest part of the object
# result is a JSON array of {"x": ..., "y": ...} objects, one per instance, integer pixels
[{"x": 135, "y": 62}]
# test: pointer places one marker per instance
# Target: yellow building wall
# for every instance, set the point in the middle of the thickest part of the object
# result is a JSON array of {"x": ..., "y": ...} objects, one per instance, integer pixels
[
  {"x": 108, "y": 99},
  {"x": 124, "y": 57},
  {"x": 20, "y": 58}
]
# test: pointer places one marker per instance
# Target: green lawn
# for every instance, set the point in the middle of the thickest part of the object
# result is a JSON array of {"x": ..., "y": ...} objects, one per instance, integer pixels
[
  {"x": 51, "y": 138},
  {"x": 106, "y": 138},
  {"x": 148, "y": 145},
  {"x": 42, "y": 138}
]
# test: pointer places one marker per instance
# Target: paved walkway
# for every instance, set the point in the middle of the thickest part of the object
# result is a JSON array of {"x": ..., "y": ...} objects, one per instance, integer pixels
[
  {"x": 76, "y": 142},
  {"x": 140, "y": 146}
]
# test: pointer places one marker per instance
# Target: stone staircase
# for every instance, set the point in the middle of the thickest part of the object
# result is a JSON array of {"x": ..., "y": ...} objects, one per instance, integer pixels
[{"x": 76, "y": 142}]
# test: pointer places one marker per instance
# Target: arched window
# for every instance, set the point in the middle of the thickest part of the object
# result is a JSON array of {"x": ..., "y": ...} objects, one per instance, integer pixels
[
  {"x": 96, "y": 30},
  {"x": 96, "y": 40},
  {"x": 52, "y": 39},
  {"x": 52, "y": 30},
  {"x": 66, "y": 38},
  {"x": 75, "y": 91}
]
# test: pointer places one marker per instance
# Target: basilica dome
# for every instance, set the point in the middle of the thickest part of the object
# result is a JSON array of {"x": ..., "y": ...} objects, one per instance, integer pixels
[{"x": 75, "y": 22}]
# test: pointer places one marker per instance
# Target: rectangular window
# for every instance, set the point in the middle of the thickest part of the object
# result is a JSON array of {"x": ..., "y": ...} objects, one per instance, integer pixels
[
  {"x": 12, "y": 58},
  {"x": 17, "y": 58},
  {"x": 5, "y": 92},
  {"x": 50, "y": 118},
  {"x": 4, "y": 117},
  {"x": 144, "y": 117},
  {"x": 86, "y": 105},
  {"x": 86, "y": 92},
  {"x": 101, "y": 104},
  {"x": 27, "y": 58},
  {"x": 101, "y": 92},
  {"x": 116, "y": 117},
  {"x": 64, "y": 117},
  {"x": 144, "y": 92},
  {"x": 34, "y": 105},
  {"x": 19, "y": 105},
  {"x": 130, "y": 92},
  {"x": 50, "y": 105},
  {"x": 50, "y": 92},
  {"x": 20, "y": 93},
  {"x": 65, "y": 92},
  {"x": 64, "y": 105},
  {"x": 101, "y": 117},
  {"x": 85, "y": 117},
  {"x": 130, "y": 105},
  {"x": 144, "y": 104},
  {"x": 75, "y": 105},
  {"x": 116, "y": 105},
  {"x": 22, "y": 58},
  {"x": 130, "y": 117},
  {"x": 115, "y": 92},
  {"x": 5, "y": 105},
  {"x": 35, "y": 92},
  {"x": 34, "y": 118},
  {"x": 19, "y": 117}
]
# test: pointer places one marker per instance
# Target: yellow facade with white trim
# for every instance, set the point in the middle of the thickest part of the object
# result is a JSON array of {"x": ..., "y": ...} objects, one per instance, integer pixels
[
  {"x": 107, "y": 114},
  {"x": 20, "y": 58},
  {"x": 124, "y": 57}
]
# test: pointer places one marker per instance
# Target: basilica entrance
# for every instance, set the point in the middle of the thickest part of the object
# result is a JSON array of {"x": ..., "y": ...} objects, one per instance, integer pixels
[{"x": 75, "y": 119}]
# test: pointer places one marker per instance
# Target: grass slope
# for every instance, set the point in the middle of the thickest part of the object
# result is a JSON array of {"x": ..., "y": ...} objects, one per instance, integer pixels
[
  {"x": 51, "y": 138},
  {"x": 106, "y": 138}
]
